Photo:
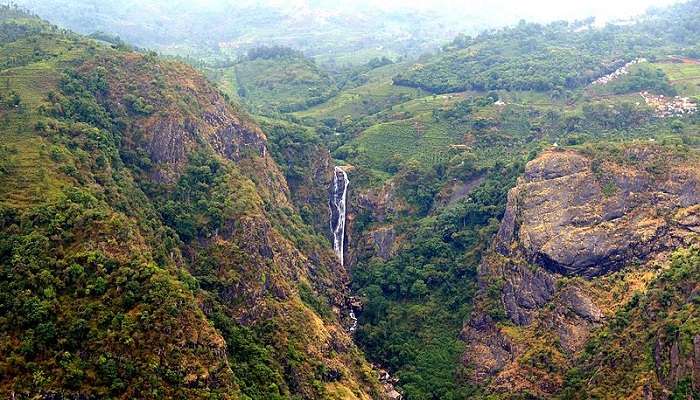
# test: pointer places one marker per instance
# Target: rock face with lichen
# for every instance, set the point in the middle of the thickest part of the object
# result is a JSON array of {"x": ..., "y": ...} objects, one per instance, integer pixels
[
  {"x": 565, "y": 218},
  {"x": 581, "y": 229}
]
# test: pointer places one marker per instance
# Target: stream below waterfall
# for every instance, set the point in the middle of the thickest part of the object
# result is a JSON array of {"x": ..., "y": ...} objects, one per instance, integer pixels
[{"x": 338, "y": 210}]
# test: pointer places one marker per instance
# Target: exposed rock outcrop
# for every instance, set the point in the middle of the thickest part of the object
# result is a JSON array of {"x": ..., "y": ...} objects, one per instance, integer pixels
[
  {"x": 457, "y": 190},
  {"x": 190, "y": 113},
  {"x": 525, "y": 290},
  {"x": 376, "y": 206},
  {"x": 576, "y": 218},
  {"x": 383, "y": 239},
  {"x": 489, "y": 350},
  {"x": 579, "y": 233}
]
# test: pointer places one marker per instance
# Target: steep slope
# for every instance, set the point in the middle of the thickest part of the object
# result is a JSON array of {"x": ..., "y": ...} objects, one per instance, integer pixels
[
  {"x": 307, "y": 166},
  {"x": 149, "y": 247},
  {"x": 584, "y": 230},
  {"x": 651, "y": 348}
]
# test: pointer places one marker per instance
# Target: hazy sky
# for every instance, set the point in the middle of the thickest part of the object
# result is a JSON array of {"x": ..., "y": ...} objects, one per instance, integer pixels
[
  {"x": 561, "y": 9},
  {"x": 532, "y": 9},
  {"x": 505, "y": 10}
]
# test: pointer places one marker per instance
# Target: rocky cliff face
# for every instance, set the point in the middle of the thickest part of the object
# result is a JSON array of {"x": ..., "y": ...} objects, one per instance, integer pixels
[
  {"x": 376, "y": 206},
  {"x": 274, "y": 258},
  {"x": 582, "y": 231},
  {"x": 578, "y": 216},
  {"x": 173, "y": 111},
  {"x": 307, "y": 166}
]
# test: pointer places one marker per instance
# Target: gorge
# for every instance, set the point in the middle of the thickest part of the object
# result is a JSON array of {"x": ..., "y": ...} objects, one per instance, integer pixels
[{"x": 183, "y": 225}]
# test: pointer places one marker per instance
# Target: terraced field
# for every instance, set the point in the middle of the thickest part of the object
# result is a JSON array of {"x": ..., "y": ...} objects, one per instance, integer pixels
[
  {"x": 31, "y": 72},
  {"x": 24, "y": 157},
  {"x": 685, "y": 77},
  {"x": 420, "y": 139},
  {"x": 30, "y": 82},
  {"x": 377, "y": 94},
  {"x": 282, "y": 84}
]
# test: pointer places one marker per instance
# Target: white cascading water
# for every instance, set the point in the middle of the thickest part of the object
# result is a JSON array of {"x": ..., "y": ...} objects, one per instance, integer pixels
[
  {"x": 353, "y": 318},
  {"x": 337, "y": 206}
]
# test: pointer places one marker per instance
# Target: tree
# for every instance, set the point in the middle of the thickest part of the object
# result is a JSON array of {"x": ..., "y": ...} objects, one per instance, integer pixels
[
  {"x": 419, "y": 288},
  {"x": 15, "y": 100},
  {"x": 677, "y": 126}
]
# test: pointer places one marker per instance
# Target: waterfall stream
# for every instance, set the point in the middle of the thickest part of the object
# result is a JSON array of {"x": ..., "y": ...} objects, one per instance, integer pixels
[
  {"x": 337, "y": 207},
  {"x": 353, "y": 318}
]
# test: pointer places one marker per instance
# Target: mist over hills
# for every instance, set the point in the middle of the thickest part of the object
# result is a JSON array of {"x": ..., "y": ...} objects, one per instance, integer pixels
[
  {"x": 218, "y": 29},
  {"x": 350, "y": 32}
]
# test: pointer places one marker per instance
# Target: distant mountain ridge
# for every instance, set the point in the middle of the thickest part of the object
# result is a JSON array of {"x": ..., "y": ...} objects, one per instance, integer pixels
[{"x": 217, "y": 30}]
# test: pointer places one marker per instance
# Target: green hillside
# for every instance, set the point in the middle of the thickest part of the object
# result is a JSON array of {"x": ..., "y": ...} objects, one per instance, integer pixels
[
  {"x": 277, "y": 80},
  {"x": 368, "y": 93},
  {"x": 658, "y": 320},
  {"x": 684, "y": 76},
  {"x": 149, "y": 248},
  {"x": 522, "y": 212},
  {"x": 558, "y": 56}
]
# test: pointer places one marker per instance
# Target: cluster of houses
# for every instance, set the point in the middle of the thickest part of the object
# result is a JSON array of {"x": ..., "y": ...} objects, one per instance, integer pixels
[
  {"x": 624, "y": 70},
  {"x": 669, "y": 106}
]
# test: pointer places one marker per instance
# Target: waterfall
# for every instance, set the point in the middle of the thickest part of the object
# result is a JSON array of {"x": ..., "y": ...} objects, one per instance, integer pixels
[
  {"x": 337, "y": 207},
  {"x": 353, "y": 318}
]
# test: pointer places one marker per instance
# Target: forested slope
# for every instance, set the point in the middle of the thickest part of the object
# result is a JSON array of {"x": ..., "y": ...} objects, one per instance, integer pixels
[
  {"x": 149, "y": 247},
  {"x": 453, "y": 318},
  {"x": 522, "y": 218},
  {"x": 560, "y": 56}
]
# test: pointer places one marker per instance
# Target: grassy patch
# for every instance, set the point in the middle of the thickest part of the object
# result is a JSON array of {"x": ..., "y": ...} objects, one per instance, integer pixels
[
  {"x": 378, "y": 93},
  {"x": 28, "y": 175},
  {"x": 684, "y": 77}
]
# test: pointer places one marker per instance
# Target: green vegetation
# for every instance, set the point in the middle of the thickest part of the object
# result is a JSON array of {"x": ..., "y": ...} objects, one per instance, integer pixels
[
  {"x": 396, "y": 142},
  {"x": 424, "y": 150},
  {"x": 365, "y": 92},
  {"x": 558, "y": 57},
  {"x": 416, "y": 302},
  {"x": 301, "y": 155},
  {"x": 643, "y": 77},
  {"x": 154, "y": 243},
  {"x": 636, "y": 344},
  {"x": 685, "y": 77},
  {"x": 129, "y": 275},
  {"x": 87, "y": 258},
  {"x": 280, "y": 79},
  {"x": 332, "y": 33}
]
